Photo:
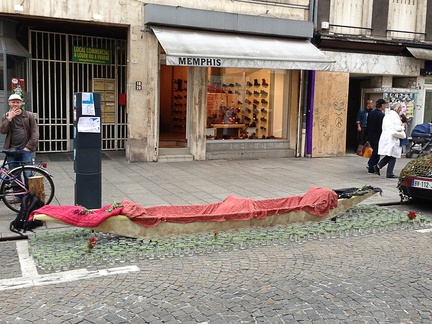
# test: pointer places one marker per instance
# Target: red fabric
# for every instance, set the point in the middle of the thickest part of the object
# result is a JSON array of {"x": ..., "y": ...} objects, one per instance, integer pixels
[
  {"x": 70, "y": 215},
  {"x": 317, "y": 201}
]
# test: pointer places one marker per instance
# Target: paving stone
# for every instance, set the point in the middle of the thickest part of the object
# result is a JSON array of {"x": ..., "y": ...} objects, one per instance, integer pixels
[{"x": 366, "y": 279}]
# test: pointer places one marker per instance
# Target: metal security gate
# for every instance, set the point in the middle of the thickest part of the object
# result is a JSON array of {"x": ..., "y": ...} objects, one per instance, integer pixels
[{"x": 55, "y": 78}]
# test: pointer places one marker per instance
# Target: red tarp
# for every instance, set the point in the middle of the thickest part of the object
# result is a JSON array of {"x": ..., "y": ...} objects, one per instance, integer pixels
[{"x": 317, "y": 201}]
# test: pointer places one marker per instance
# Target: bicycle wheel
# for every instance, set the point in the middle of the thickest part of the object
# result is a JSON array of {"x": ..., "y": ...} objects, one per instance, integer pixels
[{"x": 12, "y": 190}]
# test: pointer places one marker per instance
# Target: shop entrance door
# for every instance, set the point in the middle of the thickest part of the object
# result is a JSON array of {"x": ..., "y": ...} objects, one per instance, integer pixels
[{"x": 173, "y": 108}]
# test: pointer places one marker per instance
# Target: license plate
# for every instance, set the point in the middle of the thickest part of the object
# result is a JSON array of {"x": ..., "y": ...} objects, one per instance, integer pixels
[{"x": 421, "y": 184}]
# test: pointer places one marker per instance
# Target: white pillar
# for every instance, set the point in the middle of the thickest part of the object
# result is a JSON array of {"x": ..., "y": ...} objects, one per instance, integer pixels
[
  {"x": 197, "y": 108},
  {"x": 143, "y": 105}
]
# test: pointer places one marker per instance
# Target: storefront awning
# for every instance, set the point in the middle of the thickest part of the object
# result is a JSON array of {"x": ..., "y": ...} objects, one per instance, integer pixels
[
  {"x": 421, "y": 53},
  {"x": 12, "y": 47},
  {"x": 215, "y": 49}
]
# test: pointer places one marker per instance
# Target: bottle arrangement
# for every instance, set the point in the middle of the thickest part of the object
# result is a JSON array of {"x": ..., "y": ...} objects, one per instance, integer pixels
[{"x": 66, "y": 250}]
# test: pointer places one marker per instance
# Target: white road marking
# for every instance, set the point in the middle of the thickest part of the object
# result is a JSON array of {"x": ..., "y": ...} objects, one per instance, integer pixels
[
  {"x": 31, "y": 278},
  {"x": 59, "y": 277},
  {"x": 426, "y": 230},
  {"x": 28, "y": 268}
]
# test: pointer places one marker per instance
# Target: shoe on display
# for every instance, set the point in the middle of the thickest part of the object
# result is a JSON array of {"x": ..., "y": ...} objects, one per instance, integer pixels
[
  {"x": 249, "y": 84},
  {"x": 264, "y": 83},
  {"x": 256, "y": 84},
  {"x": 264, "y": 101},
  {"x": 248, "y": 92}
]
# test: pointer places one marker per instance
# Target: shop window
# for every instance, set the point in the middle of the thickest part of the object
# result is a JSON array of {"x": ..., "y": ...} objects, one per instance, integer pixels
[{"x": 245, "y": 104}]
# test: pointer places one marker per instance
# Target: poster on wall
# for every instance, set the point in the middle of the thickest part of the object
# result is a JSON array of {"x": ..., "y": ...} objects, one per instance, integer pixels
[
  {"x": 406, "y": 99},
  {"x": 88, "y": 107},
  {"x": 89, "y": 125},
  {"x": 18, "y": 87}
]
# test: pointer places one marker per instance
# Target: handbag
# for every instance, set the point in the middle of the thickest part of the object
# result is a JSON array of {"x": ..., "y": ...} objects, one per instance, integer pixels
[
  {"x": 360, "y": 149},
  {"x": 399, "y": 135},
  {"x": 367, "y": 150}
]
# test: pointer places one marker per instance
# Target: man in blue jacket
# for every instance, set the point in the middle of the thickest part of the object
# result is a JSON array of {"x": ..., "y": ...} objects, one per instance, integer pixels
[{"x": 361, "y": 122}]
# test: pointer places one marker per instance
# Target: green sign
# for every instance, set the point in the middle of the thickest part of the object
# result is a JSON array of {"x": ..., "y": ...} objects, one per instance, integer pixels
[{"x": 91, "y": 55}]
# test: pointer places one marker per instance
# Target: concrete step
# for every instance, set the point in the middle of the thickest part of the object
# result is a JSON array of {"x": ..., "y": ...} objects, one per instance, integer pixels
[{"x": 174, "y": 155}]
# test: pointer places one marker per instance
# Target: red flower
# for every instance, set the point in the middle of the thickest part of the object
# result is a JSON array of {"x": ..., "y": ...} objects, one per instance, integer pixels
[
  {"x": 412, "y": 215},
  {"x": 91, "y": 244}
]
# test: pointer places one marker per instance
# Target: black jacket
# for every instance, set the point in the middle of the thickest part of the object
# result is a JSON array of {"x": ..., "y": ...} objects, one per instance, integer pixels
[{"x": 374, "y": 125}]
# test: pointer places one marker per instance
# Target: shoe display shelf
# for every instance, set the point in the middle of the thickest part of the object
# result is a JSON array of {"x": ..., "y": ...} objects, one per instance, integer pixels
[
  {"x": 179, "y": 105},
  {"x": 255, "y": 107},
  {"x": 250, "y": 102}
]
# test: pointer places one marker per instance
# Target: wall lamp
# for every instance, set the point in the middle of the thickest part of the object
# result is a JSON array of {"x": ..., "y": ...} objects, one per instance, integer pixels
[
  {"x": 18, "y": 8},
  {"x": 97, "y": 17}
]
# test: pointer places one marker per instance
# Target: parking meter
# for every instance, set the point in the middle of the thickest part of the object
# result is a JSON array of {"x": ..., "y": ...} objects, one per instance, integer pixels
[{"x": 87, "y": 149}]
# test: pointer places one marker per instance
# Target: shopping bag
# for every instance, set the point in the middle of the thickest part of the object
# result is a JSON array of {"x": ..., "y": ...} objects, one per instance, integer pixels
[
  {"x": 360, "y": 149},
  {"x": 367, "y": 150}
]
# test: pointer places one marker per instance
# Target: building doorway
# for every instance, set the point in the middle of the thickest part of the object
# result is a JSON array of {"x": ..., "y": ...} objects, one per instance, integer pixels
[
  {"x": 173, "y": 107},
  {"x": 56, "y": 76},
  {"x": 354, "y": 104}
]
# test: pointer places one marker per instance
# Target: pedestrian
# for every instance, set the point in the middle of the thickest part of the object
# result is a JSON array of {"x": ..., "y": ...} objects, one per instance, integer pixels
[
  {"x": 21, "y": 130},
  {"x": 373, "y": 132},
  {"x": 404, "y": 142},
  {"x": 389, "y": 143},
  {"x": 361, "y": 122}
]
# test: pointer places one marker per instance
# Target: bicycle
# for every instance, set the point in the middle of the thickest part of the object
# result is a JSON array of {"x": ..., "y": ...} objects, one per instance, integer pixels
[{"x": 14, "y": 182}]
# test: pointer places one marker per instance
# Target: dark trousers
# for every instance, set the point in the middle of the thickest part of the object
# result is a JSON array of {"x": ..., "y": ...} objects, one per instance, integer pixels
[
  {"x": 361, "y": 136},
  {"x": 390, "y": 161},
  {"x": 374, "y": 159}
]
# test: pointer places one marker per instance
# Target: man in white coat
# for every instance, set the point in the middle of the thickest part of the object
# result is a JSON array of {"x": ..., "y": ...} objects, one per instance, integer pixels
[{"x": 389, "y": 143}]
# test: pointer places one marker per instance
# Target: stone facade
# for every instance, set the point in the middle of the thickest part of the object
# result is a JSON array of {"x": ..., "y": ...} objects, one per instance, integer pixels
[{"x": 143, "y": 50}]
